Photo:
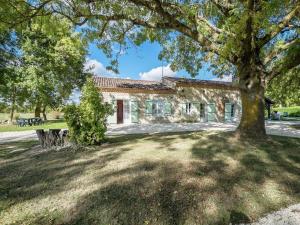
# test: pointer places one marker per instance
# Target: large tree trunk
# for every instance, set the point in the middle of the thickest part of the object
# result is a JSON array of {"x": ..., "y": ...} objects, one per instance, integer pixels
[
  {"x": 37, "y": 111},
  {"x": 252, "y": 124}
]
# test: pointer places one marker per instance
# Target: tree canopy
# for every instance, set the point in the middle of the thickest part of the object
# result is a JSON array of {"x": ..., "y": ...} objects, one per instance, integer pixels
[
  {"x": 47, "y": 66},
  {"x": 254, "y": 40}
]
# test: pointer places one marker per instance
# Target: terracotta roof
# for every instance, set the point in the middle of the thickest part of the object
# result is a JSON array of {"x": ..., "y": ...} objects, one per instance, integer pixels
[
  {"x": 179, "y": 80},
  {"x": 105, "y": 82}
]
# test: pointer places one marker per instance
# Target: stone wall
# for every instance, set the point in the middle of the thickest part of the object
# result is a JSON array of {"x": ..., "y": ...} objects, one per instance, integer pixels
[{"x": 183, "y": 95}]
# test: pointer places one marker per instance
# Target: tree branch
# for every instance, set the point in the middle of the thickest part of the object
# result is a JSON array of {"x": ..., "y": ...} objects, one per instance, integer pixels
[
  {"x": 278, "y": 50},
  {"x": 280, "y": 26},
  {"x": 284, "y": 66},
  {"x": 223, "y": 7}
]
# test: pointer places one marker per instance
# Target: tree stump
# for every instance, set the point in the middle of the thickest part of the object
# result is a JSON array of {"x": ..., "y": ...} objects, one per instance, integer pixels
[
  {"x": 53, "y": 137},
  {"x": 41, "y": 136}
]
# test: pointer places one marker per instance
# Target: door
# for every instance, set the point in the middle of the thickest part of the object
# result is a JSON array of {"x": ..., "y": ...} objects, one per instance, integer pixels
[{"x": 119, "y": 111}]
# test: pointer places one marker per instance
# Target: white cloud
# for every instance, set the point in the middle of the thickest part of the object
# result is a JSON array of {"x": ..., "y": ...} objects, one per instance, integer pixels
[
  {"x": 224, "y": 78},
  {"x": 156, "y": 73},
  {"x": 97, "y": 68}
]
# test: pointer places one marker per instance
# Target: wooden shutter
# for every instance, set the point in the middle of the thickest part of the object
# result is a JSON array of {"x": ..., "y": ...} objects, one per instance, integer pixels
[
  {"x": 134, "y": 112},
  {"x": 227, "y": 111},
  {"x": 148, "y": 109},
  {"x": 196, "y": 108},
  {"x": 183, "y": 108},
  {"x": 167, "y": 108},
  {"x": 211, "y": 112}
]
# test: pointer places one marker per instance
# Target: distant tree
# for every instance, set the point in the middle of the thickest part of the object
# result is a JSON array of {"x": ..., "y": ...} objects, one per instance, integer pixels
[
  {"x": 87, "y": 121},
  {"x": 255, "y": 40},
  {"x": 53, "y": 63},
  {"x": 12, "y": 90},
  {"x": 285, "y": 91}
]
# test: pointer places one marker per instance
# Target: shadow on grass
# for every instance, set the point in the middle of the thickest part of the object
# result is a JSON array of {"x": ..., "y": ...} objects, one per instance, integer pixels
[
  {"x": 225, "y": 181},
  {"x": 27, "y": 174}
]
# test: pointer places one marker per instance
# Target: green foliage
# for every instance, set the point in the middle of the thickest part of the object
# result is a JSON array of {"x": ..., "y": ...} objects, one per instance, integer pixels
[
  {"x": 41, "y": 64},
  {"x": 292, "y": 111},
  {"x": 53, "y": 63},
  {"x": 87, "y": 121},
  {"x": 284, "y": 90}
]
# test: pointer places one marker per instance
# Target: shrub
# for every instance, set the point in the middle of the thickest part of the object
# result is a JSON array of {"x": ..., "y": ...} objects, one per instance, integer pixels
[{"x": 87, "y": 121}]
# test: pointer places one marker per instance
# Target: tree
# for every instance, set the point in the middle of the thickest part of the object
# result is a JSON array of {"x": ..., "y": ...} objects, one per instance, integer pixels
[
  {"x": 255, "y": 40},
  {"x": 53, "y": 63},
  {"x": 285, "y": 90},
  {"x": 87, "y": 122},
  {"x": 12, "y": 91}
]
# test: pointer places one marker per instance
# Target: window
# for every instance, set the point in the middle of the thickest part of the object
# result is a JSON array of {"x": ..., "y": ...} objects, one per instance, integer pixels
[
  {"x": 157, "y": 108},
  {"x": 232, "y": 110},
  {"x": 202, "y": 110},
  {"x": 188, "y": 108}
]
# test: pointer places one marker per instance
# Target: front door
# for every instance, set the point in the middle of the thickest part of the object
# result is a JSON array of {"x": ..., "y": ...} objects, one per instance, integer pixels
[{"x": 119, "y": 111}]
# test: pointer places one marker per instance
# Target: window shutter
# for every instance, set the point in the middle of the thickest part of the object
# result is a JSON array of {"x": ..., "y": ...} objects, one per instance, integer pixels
[
  {"x": 196, "y": 108},
  {"x": 167, "y": 108},
  {"x": 211, "y": 112},
  {"x": 227, "y": 111},
  {"x": 183, "y": 108},
  {"x": 148, "y": 110},
  {"x": 134, "y": 112}
]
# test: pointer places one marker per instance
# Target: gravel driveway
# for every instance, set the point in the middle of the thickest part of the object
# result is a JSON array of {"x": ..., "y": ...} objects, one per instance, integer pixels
[
  {"x": 281, "y": 128},
  {"x": 287, "y": 216}
]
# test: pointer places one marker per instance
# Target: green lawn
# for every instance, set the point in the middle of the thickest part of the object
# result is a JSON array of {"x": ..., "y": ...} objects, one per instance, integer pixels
[
  {"x": 187, "y": 178},
  {"x": 51, "y": 124},
  {"x": 50, "y": 115},
  {"x": 293, "y": 111}
]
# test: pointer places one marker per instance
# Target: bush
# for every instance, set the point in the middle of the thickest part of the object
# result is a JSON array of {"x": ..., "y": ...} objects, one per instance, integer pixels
[
  {"x": 87, "y": 121},
  {"x": 292, "y": 111}
]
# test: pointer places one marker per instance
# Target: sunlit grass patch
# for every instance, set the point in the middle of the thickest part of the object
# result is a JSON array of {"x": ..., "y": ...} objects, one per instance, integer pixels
[{"x": 186, "y": 178}]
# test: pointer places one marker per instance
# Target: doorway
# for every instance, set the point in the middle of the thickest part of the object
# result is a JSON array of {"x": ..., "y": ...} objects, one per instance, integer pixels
[{"x": 119, "y": 111}]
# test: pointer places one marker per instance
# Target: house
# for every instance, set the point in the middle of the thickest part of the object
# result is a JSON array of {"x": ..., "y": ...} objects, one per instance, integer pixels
[{"x": 171, "y": 100}]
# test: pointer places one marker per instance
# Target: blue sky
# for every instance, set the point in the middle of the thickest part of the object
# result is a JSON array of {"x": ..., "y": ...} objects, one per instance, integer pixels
[{"x": 138, "y": 63}]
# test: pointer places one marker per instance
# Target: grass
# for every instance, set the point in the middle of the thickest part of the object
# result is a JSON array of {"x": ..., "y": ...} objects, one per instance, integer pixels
[
  {"x": 50, "y": 115},
  {"x": 293, "y": 111},
  {"x": 290, "y": 118},
  {"x": 51, "y": 124},
  {"x": 297, "y": 126},
  {"x": 165, "y": 179}
]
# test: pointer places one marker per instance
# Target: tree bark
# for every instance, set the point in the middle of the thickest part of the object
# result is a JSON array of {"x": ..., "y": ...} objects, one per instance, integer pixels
[
  {"x": 252, "y": 124},
  {"x": 37, "y": 111},
  {"x": 13, "y": 104},
  {"x": 44, "y": 112}
]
